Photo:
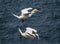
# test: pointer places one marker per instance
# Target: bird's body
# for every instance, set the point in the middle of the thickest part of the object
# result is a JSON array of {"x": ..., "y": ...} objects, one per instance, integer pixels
[
  {"x": 25, "y": 14},
  {"x": 29, "y": 33}
]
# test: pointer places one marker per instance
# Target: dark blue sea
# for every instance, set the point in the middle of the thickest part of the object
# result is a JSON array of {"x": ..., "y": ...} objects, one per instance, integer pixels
[{"x": 46, "y": 22}]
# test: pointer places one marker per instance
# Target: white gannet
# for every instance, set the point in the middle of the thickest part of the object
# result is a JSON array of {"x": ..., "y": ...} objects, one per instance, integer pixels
[
  {"x": 29, "y": 33},
  {"x": 25, "y": 14}
]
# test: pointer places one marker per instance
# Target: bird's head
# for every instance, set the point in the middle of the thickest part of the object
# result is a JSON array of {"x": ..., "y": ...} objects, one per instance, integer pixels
[{"x": 35, "y": 11}]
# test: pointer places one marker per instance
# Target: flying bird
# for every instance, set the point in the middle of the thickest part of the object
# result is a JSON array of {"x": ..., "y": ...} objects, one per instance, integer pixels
[
  {"x": 25, "y": 14},
  {"x": 29, "y": 33}
]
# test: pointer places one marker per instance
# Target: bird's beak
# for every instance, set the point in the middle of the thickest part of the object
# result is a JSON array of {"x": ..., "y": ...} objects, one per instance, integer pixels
[{"x": 35, "y": 10}]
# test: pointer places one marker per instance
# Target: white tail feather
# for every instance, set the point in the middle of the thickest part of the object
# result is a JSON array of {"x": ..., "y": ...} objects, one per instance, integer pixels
[
  {"x": 20, "y": 31},
  {"x": 15, "y": 15}
]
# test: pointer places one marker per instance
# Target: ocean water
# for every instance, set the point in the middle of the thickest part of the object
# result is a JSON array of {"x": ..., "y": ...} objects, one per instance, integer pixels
[{"x": 46, "y": 22}]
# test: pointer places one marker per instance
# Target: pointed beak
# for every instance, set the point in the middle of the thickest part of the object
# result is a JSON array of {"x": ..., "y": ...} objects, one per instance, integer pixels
[{"x": 37, "y": 10}]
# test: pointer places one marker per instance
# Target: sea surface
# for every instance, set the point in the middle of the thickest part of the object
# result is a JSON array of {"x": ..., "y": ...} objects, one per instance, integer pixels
[{"x": 46, "y": 22}]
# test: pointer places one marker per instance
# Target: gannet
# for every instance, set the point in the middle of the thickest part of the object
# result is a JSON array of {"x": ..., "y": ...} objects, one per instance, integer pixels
[
  {"x": 25, "y": 14},
  {"x": 29, "y": 33}
]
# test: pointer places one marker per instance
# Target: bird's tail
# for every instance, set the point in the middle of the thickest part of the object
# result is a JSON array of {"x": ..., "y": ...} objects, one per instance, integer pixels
[
  {"x": 15, "y": 15},
  {"x": 20, "y": 31}
]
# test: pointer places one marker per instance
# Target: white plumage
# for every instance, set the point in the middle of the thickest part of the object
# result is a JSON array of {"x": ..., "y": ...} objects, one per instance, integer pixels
[
  {"x": 28, "y": 33},
  {"x": 24, "y": 11},
  {"x": 25, "y": 14},
  {"x": 29, "y": 30}
]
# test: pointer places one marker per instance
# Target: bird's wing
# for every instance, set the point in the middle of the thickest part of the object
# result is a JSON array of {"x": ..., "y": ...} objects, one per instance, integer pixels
[
  {"x": 23, "y": 11},
  {"x": 26, "y": 9},
  {"x": 29, "y": 30},
  {"x": 34, "y": 30}
]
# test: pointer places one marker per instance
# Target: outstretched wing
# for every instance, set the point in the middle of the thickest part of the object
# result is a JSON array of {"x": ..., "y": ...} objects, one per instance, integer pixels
[
  {"x": 23, "y": 11},
  {"x": 26, "y": 9},
  {"x": 30, "y": 30}
]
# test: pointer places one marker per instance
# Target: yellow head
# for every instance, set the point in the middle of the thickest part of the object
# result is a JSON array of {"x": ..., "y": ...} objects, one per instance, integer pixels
[{"x": 35, "y": 10}]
